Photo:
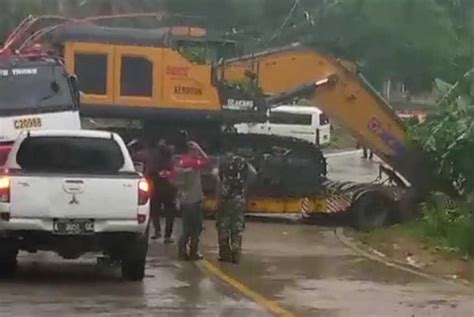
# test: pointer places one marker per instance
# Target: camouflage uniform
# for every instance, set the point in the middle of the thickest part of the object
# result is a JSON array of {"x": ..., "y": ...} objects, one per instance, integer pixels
[{"x": 230, "y": 221}]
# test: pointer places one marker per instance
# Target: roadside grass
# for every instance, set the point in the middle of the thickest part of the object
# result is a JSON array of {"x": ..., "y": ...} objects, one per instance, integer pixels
[
  {"x": 452, "y": 229},
  {"x": 441, "y": 242},
  {"x": 448, "y": 229}
]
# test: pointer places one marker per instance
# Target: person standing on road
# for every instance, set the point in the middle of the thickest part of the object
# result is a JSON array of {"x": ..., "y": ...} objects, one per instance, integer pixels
[
  {"x": 150, "y": 157},
  {"x": 234, "y": 176},
  {"x": 165, "y": 193},
  {"x": 366, "y": 153},
  {"x": 190, "y": 195}
]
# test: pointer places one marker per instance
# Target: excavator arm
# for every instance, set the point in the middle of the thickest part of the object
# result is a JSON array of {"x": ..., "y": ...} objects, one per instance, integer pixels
[{"x": 341, "y": 92}]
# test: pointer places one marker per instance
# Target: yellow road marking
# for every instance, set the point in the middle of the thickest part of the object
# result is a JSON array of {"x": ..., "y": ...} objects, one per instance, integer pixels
[{"x": 270, "y": 305}]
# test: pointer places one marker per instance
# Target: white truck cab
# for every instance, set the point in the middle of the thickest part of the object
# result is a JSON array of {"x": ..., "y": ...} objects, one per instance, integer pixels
[
  {"x": 73, "y": 192},
  {"x": 36, "y": 94},
  {"x": 301, "y": 122}
]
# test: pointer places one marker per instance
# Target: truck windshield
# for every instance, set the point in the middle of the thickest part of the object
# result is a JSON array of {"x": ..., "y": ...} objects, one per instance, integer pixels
[
  {"x": 34, "y": 89},
  {"x": 76, "y": 155}
]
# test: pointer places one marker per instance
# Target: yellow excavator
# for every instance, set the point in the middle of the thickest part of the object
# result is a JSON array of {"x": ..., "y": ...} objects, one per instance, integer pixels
[{"x": 187, "y": 77}]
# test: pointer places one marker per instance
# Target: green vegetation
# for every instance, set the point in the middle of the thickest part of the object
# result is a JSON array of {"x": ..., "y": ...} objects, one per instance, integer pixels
[
  {"x": 447, "y": 136},
  {"x": 451, "y": 228}
]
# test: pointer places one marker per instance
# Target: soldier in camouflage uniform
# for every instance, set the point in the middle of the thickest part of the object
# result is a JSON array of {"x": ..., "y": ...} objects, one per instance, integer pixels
[{"x": 234, "y": 174}]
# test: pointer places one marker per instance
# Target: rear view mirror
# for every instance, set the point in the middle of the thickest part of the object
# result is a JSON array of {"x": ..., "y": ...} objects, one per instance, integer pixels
[{"x": 75, "y": 88}]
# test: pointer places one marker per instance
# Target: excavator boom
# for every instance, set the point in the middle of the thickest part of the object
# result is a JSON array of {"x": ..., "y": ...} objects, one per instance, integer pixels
[{"x": 339, "y": 90}]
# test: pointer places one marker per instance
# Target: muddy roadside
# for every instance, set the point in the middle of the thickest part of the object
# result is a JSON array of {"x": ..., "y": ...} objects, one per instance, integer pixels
[{"x": 404, "y": 245}]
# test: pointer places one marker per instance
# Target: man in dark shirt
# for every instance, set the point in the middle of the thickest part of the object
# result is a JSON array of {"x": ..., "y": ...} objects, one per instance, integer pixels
[
  {"x": 165, "y": 194},
  {"x": 158, "y": 169}
]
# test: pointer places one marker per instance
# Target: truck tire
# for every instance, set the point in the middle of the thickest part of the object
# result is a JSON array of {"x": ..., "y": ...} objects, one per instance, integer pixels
[
  {"x": 8, "y": 266},
  {"x": 133, "y": 262},
  {"x": 8, "y": 258},
  {"x": 371, "y": 210}
]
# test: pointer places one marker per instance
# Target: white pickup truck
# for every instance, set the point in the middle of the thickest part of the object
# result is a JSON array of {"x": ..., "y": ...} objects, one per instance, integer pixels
[{"x": 73, "y": 192}]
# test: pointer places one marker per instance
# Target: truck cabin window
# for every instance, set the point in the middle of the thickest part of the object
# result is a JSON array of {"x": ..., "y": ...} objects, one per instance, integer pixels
[
  {"x": 91, "y": 70},
  {"x": 34, "y": 89},
  {"x": 290, "y": 118},
  {"x": 70, "y": 155},
  {"x": 136, "y": 77}
]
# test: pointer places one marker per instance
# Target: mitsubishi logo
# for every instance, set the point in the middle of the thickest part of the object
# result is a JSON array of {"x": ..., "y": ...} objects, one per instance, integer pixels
[{"x": 74, "y": 201}]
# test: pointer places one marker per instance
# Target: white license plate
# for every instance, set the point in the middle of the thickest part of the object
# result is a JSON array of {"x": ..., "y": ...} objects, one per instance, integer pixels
[{"x": 73, "y": 227}]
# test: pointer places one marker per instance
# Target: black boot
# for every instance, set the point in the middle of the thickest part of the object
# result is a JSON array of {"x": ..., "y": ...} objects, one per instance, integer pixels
[
  {"x": 194, "y": 255},
  {"x": 236, "y": 249},
  {"x": 182, "y": 254},
  {"x": 223, "y": 237},
  {"x": 235, "y": 256}
]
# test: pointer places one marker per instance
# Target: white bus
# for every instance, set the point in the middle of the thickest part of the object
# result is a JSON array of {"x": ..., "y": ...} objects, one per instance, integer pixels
[
  {"x": 35, "y": 94},
  {"x": 302, "y": 122}
]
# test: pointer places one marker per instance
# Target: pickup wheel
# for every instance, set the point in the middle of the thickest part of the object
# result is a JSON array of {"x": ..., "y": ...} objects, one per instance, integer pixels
[
  {"x": 133, "y": 262},
  {"x": 8, "y": 261},
  {"x": 8, "y": 266}
]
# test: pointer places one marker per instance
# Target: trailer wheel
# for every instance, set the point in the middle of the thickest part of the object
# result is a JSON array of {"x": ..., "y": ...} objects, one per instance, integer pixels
[{"x": 371, "y": 210}]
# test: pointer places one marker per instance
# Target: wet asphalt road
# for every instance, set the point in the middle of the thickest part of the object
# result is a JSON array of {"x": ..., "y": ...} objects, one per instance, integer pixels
[
  {"x": 308, "y": 271},
  {"x": 47, "y": 286},
  {"x": 349, "y": 166},
  {"x": 304, "y": 269}
]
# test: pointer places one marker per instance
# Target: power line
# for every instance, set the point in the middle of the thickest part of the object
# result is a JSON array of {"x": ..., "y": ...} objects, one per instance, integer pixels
[{"x": 285, "y": 22}]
